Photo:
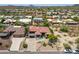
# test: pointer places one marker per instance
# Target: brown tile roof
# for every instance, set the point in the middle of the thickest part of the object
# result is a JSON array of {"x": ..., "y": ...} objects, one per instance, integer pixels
[{"x": 17, "y": 30}]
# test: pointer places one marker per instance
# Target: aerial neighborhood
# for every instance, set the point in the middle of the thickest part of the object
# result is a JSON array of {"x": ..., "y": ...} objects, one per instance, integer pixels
[{"x": 39, "y": 29}]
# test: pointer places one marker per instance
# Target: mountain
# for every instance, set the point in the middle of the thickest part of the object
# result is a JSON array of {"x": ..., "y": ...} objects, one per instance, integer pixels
[{"x": 76, "y": 4}]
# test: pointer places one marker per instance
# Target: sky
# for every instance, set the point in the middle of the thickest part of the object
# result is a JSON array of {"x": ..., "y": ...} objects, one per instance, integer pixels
[
  {"x": 39, "y": 1},
  {"x": 37, "y": 4}
]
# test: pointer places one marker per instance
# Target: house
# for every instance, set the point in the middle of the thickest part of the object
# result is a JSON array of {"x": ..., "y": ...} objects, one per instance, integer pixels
[
  {"x": 17, "y": 36},
  {"x": 54, "y": 13},
  {"x": 49, "y": 20},
  {"x": 37, "y": 20},
  {"x": 73, "y": 28},
  {"x": 35, "y": 31},
  {"x": 55, "y": 17},
  {"x": 56, "y": 21},
  {"x": 8, "y": 16},
  {"x": 25, "y": 20},
  {"x": 18, "y": 31},
  {"x": 68, "y": 20},
  {"x": 5, "y": 41},
  {"x": 1, "y": 16},
  {"x": 65, "y": 17},
  {"x": 21, "y": 16},
  {"x": 74, "y": 16},
  {"x": 29, "y": 17},
  {"x": 7, "y": 21},
  {"x": 4, "y": 34},
  {"x": 48, "y": 13},
  {"x": 38, "y": 14}
]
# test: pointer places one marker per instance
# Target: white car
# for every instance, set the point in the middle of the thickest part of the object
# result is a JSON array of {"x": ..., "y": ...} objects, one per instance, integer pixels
[
  {"x": 75, "y": 51},
  {"x": 68, "y": 51}
]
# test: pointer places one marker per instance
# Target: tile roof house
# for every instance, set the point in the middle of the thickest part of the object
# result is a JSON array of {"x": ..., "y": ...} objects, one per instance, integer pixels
[
  {"x": 73, "y": 28},
  {"x": 38, "y": 31},
  {"x": 4, "y": 34},
  {"x": 9, "y": 21},
  {"x": 8, "y": 16},
  {"x": 48, "y": 13},
  {"x": 55, "y": 17},
  {"x": 29, "y": 17},
  {"x": 18, "y": 31},
  {"x": 25, "y": 20},
  {"x": 37, "y": 20},
  {"x": 49, "y": 20}
]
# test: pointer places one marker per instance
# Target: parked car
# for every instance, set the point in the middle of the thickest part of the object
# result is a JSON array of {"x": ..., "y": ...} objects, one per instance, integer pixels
[
  {"x": 67, "y": 51},
  {"x": 76, "y": 51}
]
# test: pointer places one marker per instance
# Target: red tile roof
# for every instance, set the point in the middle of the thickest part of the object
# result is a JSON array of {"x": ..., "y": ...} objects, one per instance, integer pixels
[{"x": 39, "y": 29}]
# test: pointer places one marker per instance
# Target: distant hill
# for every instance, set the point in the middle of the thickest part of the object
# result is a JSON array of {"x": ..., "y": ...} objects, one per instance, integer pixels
[
  {"x": 76, "y": 4},
  {"x": 7, "y": 7},
  {"x": 32, "y": 6},
  {"x": 12, "y": 7}
]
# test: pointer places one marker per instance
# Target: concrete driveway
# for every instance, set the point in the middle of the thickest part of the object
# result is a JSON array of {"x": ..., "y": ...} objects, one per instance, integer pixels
[
  {"x": 31, "y": 44},
  {"x": 16, "y": 42}
]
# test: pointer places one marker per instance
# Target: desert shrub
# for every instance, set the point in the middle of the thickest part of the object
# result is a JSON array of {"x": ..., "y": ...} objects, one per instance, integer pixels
[
  {"x": 25, "y": 45},
  {"x": 44, "y": 44},
  {"x": 66, "y": 46}
]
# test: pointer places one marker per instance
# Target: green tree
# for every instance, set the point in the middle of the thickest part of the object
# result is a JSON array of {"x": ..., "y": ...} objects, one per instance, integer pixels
[
  {"x": 25, "y": 25},
  {"x": 2, "y": 20},
  {"x": 66, "y": 46},
  {"x": 26, "y": 29},
  {"x": 2, "y": 27},
  {"x": 76, "y": 19},
  {"x": 77, "y": 46},
  {"x": 64, "y": 29},
  {"x": 52, "y": 38},
  {"x": 7, "y": 46},
  {"x": 51, "y": 30},
  {"x": 77, "y": 41},
  {"x": 17, "y": 23},
  {"x": 46, "y": 24},
  {"x": 44, "y": 44},
  {"x": 16, "y": 18}
]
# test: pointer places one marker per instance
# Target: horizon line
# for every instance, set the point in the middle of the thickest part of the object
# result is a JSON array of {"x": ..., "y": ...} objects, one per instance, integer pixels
[{"x": 36, "y": 4}]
